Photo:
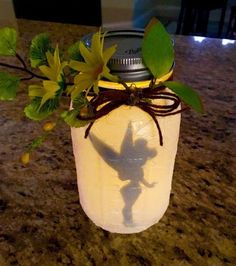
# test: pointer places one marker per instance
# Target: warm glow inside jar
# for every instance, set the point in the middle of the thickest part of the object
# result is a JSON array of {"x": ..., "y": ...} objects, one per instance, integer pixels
[{"x": 124, "y": 174}]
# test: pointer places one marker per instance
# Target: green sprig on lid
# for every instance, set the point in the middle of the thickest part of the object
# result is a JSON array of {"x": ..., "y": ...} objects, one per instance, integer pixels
[
  {"x": 158, "y": 55},
  {"x": 157, "y": 49}
]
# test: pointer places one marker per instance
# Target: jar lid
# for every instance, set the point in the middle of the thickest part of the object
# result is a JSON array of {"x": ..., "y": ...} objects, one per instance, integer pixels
[{"x": 127, "y": 61}]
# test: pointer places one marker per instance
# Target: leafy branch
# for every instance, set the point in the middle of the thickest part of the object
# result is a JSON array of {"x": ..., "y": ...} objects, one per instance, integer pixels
[
  {"x": 78, "y": 78},
  {"x": 9, "y": 83}
]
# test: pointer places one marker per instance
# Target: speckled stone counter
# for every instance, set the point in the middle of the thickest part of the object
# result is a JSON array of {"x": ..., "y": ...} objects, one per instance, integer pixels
[{"x": 41, "y": 220}]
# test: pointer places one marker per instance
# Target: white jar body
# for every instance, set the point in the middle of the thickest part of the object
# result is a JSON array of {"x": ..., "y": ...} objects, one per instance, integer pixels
[{"x": 124, "y": 175}]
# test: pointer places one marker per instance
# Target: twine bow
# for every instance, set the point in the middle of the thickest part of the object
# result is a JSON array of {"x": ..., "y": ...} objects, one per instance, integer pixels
[{"x": 108, "y": 100}]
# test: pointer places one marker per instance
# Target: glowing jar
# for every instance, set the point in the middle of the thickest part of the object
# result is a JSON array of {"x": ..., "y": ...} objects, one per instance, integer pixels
[{"x": 124, "y": 175}]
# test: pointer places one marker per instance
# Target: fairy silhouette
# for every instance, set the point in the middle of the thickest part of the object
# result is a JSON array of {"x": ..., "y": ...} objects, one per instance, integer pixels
[{"x": 128, "y": 163}]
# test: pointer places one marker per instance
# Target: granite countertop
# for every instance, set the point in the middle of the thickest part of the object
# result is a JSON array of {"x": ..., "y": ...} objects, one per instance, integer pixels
[{"x": 41, "y": 220}]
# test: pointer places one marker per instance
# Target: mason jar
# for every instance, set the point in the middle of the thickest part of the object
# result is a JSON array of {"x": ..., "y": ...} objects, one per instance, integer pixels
[{"x": 124, "y": 174}]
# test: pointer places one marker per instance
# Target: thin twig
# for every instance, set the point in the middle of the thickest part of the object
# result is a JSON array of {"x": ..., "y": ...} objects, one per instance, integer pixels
[
  {"x": 21, "y": 60},
  {"x": 24, "y": 69},
  {"x": 27, "y": 78}
]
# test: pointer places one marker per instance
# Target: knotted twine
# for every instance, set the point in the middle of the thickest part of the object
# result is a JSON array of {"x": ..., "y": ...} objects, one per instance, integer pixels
[{"x": 108, "y": 100}]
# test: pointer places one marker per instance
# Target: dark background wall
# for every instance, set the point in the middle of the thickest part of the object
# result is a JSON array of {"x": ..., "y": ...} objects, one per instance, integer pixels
[{"x": 85, "y": 12}]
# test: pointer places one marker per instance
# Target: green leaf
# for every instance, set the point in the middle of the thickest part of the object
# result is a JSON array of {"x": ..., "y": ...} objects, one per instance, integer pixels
[
  {"x": 34, "y": 112},
  {"x": 40, "y": 44},
  {"x": 37, "y": 142},
  {"x": 74, "y": 52},
  {"x": 186, "y": 94},
  {"x": 157, "y": 49},
  {"x": 70, "y": 117},
  {"x": 8, "y": 38},
  {"x": 80, "y": 101},
  {"x": 8, "y": 86}
]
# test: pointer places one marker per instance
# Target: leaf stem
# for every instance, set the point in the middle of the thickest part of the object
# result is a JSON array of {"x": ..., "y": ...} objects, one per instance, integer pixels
[
  {"x": 27, "y": 78},
  {"x": 24, "y": 69},
  {"x": 21, "y": 60}
]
